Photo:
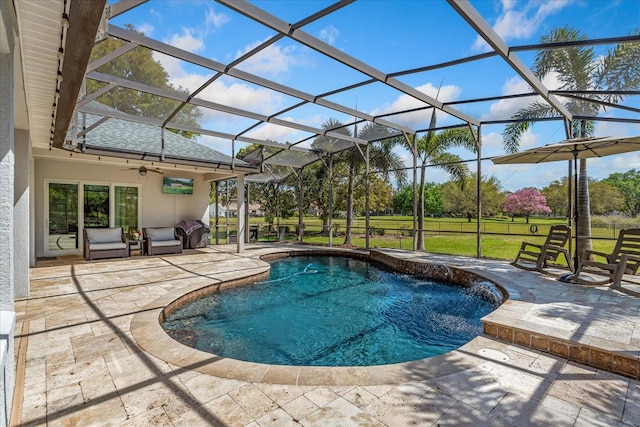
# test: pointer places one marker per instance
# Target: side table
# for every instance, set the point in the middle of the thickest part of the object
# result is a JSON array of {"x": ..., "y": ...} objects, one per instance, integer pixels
[{"x": 136, "y": 245}]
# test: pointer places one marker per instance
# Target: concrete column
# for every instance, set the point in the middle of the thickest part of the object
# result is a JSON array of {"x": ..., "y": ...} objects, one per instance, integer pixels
[
  {"x": 32, "y": 208},
  {"x": 242, "y": 209},
  {"x": 21, "y": 223}
]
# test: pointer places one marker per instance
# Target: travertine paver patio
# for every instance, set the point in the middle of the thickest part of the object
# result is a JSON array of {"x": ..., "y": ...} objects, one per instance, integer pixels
[{"x": 85, "y": 366}]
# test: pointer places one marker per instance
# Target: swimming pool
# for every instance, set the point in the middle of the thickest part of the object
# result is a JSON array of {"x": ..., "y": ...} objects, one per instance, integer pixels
[{"x": 332, "y": 311}]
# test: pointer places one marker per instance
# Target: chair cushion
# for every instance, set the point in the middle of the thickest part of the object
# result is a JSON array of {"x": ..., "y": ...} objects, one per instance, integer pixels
[
  {"x": 159, "y": 243},
  {"x": 104, "y": 235},
  {"x": 107, "y": 246},
  {"x": 165, "y": 233}
]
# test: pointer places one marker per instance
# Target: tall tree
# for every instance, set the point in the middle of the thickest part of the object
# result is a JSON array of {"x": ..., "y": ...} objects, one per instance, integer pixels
[
  {"x": 403, "y": 200},
  {"x": 579, "y": 69},
  {"x": 603, "y": 196},
  {"x": 464, "y": 201},
  {"x": 139, "y": 66},
  {"x": 628, "y": 183},
  {"x": 557, "y": 196},
  {"x": 380, "y": 195}
]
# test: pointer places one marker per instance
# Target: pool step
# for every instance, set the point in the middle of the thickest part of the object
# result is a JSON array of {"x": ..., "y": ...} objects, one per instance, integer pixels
[{"x": 588, "y": 350}]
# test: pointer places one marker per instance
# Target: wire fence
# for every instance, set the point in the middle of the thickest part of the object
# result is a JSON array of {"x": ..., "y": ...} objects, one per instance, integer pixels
[{"x": 288, "y": 229}]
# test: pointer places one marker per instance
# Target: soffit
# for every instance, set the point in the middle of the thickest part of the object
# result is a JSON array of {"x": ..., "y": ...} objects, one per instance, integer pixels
[{"x": 40, "y": 29}]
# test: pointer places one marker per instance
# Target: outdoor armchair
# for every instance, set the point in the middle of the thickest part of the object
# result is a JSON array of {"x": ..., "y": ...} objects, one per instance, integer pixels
[
  {"x": 162, "y": 240},
  {"x": 105, "y": 243}
]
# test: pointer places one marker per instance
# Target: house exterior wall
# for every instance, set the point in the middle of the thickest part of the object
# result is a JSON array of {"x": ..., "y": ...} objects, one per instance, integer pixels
[
  {"x": 157, "y": 209},
  {"x": 7, "y": 241}
]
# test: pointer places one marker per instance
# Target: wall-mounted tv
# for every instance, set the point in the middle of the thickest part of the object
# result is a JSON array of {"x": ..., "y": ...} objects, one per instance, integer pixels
[{"x": 177, "y": 185}]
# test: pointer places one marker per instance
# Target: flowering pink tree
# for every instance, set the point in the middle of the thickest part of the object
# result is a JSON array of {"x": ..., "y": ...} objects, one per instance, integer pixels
[{"x": 525, "y": 202}]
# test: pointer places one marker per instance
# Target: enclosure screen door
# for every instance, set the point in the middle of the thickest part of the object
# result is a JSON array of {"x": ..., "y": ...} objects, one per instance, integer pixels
[{"x": 63, "y": 217}]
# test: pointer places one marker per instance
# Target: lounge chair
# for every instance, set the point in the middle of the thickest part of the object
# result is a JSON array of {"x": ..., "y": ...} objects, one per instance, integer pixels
[
  {"x": 624, "y": 259},
  {"x": 105, "y": 243},
  {"x": 538, "y": 257},
  {"x": 163, "y": 240}
]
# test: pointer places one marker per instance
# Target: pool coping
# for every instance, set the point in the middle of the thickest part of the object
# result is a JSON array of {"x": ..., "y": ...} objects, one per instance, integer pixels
[
  {"x": 500, "y": 332},
  {"x": 148, "y": 333}
]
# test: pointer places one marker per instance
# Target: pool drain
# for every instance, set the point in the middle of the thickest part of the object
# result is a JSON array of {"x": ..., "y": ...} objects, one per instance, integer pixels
[{"x": 493, "y": 354}]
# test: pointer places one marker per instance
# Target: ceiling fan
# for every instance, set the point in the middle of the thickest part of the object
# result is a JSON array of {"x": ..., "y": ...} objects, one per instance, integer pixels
[{"x": 142, "y": 171}]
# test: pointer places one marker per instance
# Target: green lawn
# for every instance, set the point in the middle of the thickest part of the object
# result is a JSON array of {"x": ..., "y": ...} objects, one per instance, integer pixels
[{"x": 452, "y": 236}]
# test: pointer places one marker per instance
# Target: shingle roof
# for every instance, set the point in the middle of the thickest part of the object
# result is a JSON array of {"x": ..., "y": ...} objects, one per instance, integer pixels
[{"x": 133, "y": 137}]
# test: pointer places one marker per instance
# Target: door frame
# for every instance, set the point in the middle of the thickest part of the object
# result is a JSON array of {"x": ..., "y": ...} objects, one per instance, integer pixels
[{"x": 80, "y": 213}]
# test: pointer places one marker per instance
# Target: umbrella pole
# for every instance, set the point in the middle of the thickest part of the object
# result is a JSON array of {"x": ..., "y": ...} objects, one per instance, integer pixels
[
  {"x": 573, "y": 276},
  {"x": 576, "y": 215}
]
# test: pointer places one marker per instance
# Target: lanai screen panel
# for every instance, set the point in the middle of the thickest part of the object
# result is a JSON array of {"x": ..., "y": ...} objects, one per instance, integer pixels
[{"x": 239, "y": 76}]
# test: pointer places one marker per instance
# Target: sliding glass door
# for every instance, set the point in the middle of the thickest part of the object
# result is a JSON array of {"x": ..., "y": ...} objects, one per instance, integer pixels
[
  {"x": 62, "y": 230},
  {"x": 98, "y": 205}
]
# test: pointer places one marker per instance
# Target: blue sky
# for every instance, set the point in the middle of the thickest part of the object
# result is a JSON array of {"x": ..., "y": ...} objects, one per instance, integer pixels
[{"x": 390, "y": 36}]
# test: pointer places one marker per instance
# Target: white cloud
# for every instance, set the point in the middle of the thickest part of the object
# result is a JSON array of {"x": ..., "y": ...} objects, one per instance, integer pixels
[
  {"x": 623, "y": 163},
  {"x": 146, "y": 29},
  {"x": 419, "y": 119},
  {"x": 506, "y": 108},
  {"x": 274, "y": 61},
  {"x": 187, "y": 41},
  {"x": 217, "y": 20},
  {"x": 277, "y": 133},
  {"x": 492, "y": 144},
  {"x": 521, "y": 23},
  {"x": 156, "y": 14},
  {"x": 173, "y": 66},
  {"x": 329, "y": 34},
  {"x": 240, "y": 95}
]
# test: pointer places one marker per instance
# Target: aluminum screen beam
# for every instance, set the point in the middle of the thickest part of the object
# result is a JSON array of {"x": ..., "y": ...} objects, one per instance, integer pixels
[
  {"x": 123, "y": 6},
  {"x": 306, "y": 39},
  {"x": 131, "y": 37},
  {"x": 177, "y": 96},
  {"x": 110, "y": 56},
  {"x": 481, "y": 26},
  {"x": 179, "y": 126}
]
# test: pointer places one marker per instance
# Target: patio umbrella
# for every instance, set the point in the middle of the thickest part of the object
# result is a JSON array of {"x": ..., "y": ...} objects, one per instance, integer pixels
[{"x": 573, "y": 149}]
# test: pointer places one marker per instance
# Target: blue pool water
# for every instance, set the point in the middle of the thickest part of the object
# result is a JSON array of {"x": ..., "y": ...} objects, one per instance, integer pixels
[{"x": 332, "y": 311}]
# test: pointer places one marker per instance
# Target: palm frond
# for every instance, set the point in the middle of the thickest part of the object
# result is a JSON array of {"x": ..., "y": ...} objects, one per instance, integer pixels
[
  {"x": 383, "y": 158},
  {"x": 452, "y": 164},
  {"x": 456, "y": 137},
  {"x": 620, "y": 69},
  {"x": 574, "y": 65},
  {"x": 513, "y": 131}
]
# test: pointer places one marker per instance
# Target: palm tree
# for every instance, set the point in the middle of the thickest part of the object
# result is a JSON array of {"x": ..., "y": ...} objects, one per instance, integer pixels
[
  {"x": 579, "y": 69},
  {"x": 434, "y": 148},
  {"x": 381, "y": 158}
]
